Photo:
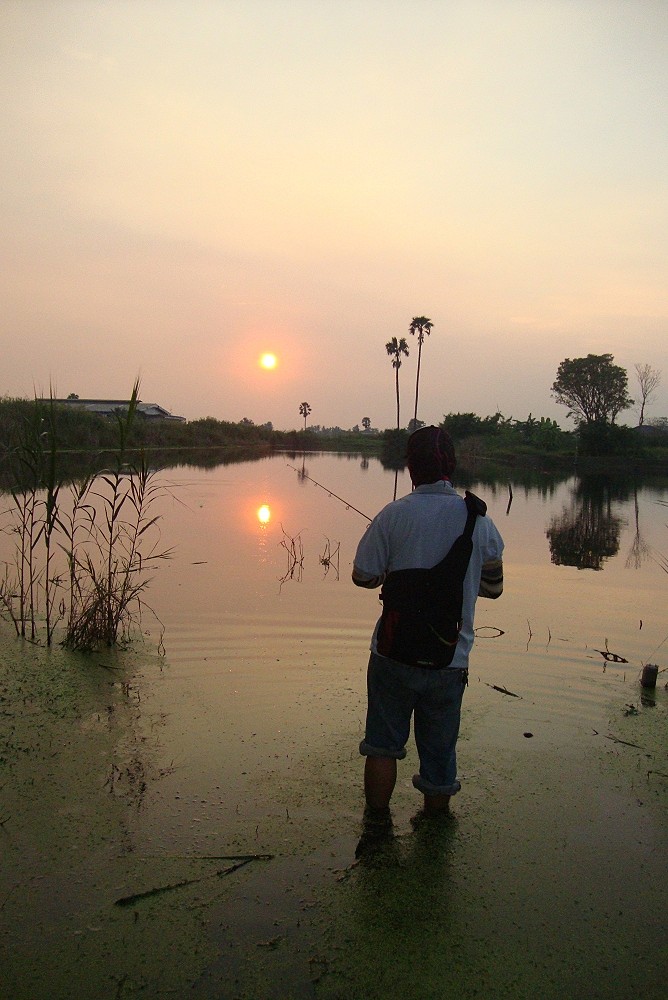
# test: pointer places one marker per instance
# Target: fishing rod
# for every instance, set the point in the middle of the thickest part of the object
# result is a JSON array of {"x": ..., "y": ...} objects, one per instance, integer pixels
[{"x": 350, "y": 506}]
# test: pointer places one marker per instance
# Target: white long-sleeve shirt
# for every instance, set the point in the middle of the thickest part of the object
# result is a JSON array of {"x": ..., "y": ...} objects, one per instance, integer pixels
[{"x": 415, "y": 532}]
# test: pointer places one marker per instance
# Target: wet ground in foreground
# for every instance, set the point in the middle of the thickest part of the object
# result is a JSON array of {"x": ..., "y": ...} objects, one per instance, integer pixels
[{"x": 548, "y": 877}]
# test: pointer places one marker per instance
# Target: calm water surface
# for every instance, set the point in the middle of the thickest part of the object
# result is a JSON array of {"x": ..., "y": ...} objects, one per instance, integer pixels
[{"x": 263, "y": 558}]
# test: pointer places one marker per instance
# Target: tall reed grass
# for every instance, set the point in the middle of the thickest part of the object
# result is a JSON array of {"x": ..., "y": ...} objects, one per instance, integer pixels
[{"x": 84, "y": 562}]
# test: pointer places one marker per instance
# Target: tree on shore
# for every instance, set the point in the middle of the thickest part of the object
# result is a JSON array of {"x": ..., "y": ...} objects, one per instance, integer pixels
[
  {"x": 421, "y": 326},
  {"x": 304, "y": 409},
  {"x": 649, "y": 380},
  {"x": 395, "y": 348},
  {"x": 593, "y": 388},
  {"x": 366, "y": 423}
]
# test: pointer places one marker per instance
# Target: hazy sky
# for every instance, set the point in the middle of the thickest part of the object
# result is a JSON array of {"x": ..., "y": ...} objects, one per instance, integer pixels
[{"x": 189, "y": 183}]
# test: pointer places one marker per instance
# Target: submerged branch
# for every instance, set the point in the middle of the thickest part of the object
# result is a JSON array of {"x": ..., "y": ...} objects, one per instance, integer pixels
[
  {"x": 239, "y": 862},
  {"x": 615, "y": 739},
  {"x": 503, "y": 690}
]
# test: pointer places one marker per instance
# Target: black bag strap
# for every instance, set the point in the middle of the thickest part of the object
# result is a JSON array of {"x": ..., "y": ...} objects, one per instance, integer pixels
[
  {"x": 463, "y": 545},
  {"x": 475, "y": 507}
]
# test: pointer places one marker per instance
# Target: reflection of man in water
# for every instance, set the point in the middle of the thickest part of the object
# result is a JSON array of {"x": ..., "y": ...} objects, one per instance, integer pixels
[{"x": 415, "y": 532}]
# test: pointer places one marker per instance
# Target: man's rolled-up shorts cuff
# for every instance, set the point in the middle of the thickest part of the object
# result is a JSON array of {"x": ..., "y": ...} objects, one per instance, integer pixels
[
  {"x": 368, "y": 751},
  {"x": 427, "y": 788}
]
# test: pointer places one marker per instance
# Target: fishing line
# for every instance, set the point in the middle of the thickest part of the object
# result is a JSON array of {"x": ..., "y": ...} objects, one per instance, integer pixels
[{"x": 330, "y": 493}]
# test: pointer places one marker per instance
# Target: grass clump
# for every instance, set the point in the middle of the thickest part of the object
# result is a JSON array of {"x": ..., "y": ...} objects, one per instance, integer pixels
[{"x": 80, "y": 557}]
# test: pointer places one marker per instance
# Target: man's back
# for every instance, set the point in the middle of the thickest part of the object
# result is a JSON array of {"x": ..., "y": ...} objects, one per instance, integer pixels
[{"x": 415, "y": 532}]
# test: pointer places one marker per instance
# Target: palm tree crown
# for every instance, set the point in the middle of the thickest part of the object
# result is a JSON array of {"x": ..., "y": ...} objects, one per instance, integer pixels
[{"x": 304, "y": 409}]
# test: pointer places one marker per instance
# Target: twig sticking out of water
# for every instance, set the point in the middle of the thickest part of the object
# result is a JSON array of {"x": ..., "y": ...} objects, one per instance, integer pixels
[
  {"x": 610, "y": 657},
  {"x": 330, "y": 558},
  {"x": 240, "y": 862},
  {"x": 510, "y": 498},
  {"x": 625, "y": 743},
  {"x": 295, "y": 550},
  {"x": 488, "y": 632},
  {"x": 503, "y": 690}
]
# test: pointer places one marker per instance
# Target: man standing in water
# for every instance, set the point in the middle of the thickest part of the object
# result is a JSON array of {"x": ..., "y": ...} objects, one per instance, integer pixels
[{"x": 408, "y": 676}]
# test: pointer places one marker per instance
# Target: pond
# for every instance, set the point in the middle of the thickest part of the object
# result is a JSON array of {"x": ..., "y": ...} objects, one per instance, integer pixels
[{"x": 550, "y": 874}]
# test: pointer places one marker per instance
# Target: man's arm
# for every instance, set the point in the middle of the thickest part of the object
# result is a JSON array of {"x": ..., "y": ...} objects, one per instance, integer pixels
[
  {"x": 491, "y": 579},
  {"x": 361, "y": 579}
]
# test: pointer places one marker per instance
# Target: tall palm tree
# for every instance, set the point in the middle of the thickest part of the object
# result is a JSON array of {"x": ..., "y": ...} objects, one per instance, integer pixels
[
  {"x": 395, "y": 348},
  {"x": 304, "y": 409},
  {"x": 422, "y": 326}
]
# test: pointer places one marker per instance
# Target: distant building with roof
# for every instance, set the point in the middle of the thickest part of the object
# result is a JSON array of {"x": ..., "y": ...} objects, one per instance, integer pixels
[{"x": 110, "y": 407}]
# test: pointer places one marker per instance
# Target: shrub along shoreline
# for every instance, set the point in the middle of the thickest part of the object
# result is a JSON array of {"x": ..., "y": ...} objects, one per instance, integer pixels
[{"x": 85, "y": 440}]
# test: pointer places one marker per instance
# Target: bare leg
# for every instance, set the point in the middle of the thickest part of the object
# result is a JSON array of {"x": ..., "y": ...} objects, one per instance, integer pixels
[
  {"x": 436, "y": 803},
  {"x": 380, "y": 777}
]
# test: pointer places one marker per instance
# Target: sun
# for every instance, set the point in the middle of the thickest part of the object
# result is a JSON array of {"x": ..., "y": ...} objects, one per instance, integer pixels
[{"x": 268, "y": 361}]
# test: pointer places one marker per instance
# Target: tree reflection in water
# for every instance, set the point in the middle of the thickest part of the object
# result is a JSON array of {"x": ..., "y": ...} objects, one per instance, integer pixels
[
  {"x": 587, "y": 532},
  {"x": 640, "y": 551}
]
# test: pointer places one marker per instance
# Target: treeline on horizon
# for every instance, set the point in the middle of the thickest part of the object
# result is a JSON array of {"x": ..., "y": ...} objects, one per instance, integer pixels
[{"x": 82, "y": 431}]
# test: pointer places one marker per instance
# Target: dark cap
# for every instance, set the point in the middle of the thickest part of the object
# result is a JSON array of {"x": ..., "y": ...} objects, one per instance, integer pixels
[{"x": 431, "y": 455}]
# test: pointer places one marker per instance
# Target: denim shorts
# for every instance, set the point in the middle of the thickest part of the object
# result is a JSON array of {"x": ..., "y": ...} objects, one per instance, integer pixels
[{"x": 433, "y": 698}]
